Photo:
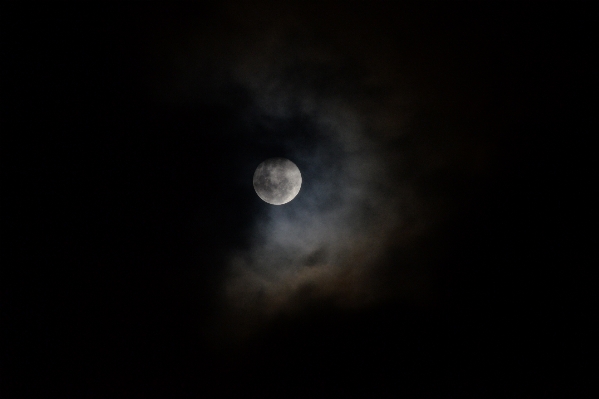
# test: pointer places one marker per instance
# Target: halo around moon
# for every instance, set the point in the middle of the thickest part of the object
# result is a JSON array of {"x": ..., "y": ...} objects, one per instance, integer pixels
[{"x": 277, "y": 181}]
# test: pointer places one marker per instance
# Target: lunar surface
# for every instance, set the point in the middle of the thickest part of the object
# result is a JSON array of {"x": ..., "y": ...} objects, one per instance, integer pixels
[{"x": 277, "y": 181}]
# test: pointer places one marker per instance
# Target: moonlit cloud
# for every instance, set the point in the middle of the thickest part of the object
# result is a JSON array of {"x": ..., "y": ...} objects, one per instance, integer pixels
[
  {"x": 329, "y": 243},
  {"x": 345, "y": 238}
]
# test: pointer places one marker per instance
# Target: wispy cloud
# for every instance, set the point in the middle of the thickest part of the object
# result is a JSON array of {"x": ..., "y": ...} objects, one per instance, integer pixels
[{"x": 366, "y": 165}]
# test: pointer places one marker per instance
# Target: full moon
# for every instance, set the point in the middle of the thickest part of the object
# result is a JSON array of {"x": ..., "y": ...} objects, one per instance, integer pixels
[{"x": 277, "y": 181}]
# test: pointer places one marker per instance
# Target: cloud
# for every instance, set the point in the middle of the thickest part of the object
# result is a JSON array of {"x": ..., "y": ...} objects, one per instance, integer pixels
[
  {"x": 366, "y": 152},
  {"x": 329, "y": 243}
]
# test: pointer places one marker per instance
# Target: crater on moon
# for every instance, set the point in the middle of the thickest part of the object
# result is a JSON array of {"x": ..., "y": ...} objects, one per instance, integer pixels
[{"x": 277, "y": 181}]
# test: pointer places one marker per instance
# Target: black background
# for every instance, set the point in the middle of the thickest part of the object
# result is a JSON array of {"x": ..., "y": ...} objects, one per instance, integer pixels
[{"x": 117, "y": 215}]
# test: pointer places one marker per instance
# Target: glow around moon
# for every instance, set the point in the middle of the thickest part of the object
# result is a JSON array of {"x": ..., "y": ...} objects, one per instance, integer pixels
[{"x": 277, "y": 181}]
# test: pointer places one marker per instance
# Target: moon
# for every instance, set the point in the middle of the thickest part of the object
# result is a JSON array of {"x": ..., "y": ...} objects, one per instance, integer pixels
[{"x": 277, "y": 181}]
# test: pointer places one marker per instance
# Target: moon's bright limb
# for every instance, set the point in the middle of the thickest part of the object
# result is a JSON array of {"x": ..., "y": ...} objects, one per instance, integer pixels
[{"x": 277, "y": 181}]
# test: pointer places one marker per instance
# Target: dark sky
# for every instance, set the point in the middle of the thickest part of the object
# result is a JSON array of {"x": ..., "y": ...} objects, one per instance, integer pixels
[{"x": 431, "y": 252}]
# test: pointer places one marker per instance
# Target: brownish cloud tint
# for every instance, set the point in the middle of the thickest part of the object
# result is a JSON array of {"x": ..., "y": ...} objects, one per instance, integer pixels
[{"x": 367, "y": 95}]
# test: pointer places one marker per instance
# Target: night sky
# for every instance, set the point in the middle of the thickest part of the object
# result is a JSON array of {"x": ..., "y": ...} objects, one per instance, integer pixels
[{"x": 431, "y": 252}]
